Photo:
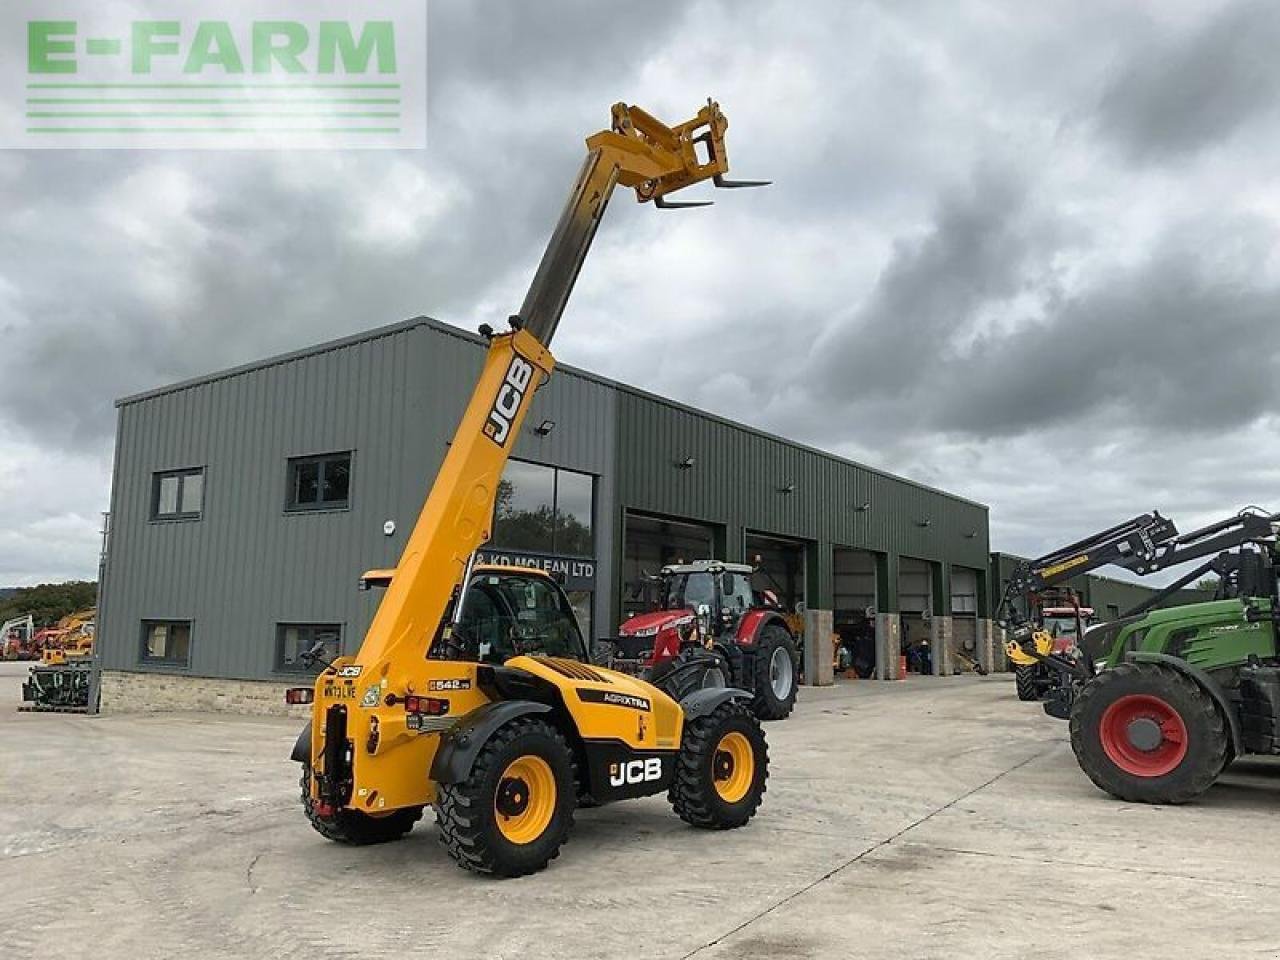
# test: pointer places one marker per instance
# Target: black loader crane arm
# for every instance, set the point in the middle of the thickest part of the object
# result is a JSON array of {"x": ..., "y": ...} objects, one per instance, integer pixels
[
  {"x": 1136, "y": 540},
  {"x": 1144, "y": 545}
]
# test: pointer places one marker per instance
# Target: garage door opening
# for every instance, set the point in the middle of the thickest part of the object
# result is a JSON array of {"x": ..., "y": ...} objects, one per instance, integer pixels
[
  {"x": 964, "y": 615},
  {"x": 649, "y": 544},
  {"x": 915, "y": 600},
  {"x": 780, "y": 568},
  {"x": 854, "y": 610}
]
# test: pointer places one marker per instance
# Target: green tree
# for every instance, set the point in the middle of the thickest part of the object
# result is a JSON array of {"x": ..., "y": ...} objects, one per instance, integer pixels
[
  {"x": 538, "y": 529},
  {"x": 49, "y": 602}
]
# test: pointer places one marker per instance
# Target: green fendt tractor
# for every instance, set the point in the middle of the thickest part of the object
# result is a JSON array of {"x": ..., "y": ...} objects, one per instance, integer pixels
[{"x": 1161, "y": 701}]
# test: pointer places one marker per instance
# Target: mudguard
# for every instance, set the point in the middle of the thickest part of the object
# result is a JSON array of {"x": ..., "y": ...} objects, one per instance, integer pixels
[
  {"x": 461, "y": 743},
  {"x": 702, "y": 702},
  {"x": 302, "y": 749},
  {"x": 753, "y": 621},
  {"x": 1203, "y": 680}
]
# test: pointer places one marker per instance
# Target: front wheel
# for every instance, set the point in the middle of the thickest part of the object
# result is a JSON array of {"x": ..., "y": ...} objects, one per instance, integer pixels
[
  {"x": 694, "y": 668},
  {"x": 777, "y": 678},
  {"x": 1147, "y": 734},
  {"x": 721, "y": 769},
  {"x": 514, "y": 810},
  {"x": 1024, "y": 679}
]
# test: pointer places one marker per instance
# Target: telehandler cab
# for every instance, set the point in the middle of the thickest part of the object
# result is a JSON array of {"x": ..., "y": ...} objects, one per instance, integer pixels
[{"x": 473, "y": 691}]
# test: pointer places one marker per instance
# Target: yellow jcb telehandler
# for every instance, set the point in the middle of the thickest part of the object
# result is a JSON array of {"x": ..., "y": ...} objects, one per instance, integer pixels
[{"x": 473, "y": 690}]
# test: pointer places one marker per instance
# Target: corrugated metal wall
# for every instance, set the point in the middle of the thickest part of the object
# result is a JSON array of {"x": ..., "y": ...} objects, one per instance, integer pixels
[
  {"x": 392, "y": 397},
  {"x": 738, "y": 481}
]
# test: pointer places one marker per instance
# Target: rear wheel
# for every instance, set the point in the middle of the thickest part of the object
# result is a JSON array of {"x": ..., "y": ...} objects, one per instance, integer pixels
[
  {"x": 1025, "y": 680},
  {"x": 354, "y": 827},
  {"x": 514, "y": 811},
  {"x": 721, "y": 769},
  {"x": 777, "y": 678},
  {"x": 1147, "y": 734}
]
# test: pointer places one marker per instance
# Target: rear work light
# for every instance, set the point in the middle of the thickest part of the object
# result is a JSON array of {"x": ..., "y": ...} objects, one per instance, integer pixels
[
  {"x": 427, "y": 706},
  {"x": 298, "y": 695}
]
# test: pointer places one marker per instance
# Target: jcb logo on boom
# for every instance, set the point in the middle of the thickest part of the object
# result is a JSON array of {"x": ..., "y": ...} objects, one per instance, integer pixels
[
  {"x": 635, "y": 771},
  {"x": 507, "y": 403}
]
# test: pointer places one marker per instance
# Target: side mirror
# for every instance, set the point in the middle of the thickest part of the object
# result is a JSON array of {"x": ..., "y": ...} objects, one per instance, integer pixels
[{"x": 726, "y": 583}]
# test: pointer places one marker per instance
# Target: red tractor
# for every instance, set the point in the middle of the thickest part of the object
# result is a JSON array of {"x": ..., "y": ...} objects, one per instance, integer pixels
[
  {"x": 712, "y": 629},
  {"x": 1058, "y": 613}
]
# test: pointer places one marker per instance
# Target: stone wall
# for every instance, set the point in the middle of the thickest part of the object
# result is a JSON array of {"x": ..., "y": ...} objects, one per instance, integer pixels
[
  {"x": 888, "y": 646},
  {"x": 122, "y": 692}
]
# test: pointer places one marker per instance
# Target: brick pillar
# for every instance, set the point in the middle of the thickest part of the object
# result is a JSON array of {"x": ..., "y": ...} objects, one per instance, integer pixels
[
  {"x": 940, "y": 639},
  {"x": 888, "y": 646},
  {"x": 990, "y": 653},
  {"x": 818, "y": 629},
  {"x": 998, "y": 656}
]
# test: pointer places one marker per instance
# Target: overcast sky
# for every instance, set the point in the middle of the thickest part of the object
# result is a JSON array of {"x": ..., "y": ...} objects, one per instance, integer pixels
[{"x": 1024, "y": 252}]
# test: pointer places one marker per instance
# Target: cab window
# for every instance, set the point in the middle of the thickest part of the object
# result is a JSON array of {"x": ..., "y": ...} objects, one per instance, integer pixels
[
  {"x": 509, "y": 615},
  {"x": 690, "y": 590},
  {"x": 737, "y": 593}
]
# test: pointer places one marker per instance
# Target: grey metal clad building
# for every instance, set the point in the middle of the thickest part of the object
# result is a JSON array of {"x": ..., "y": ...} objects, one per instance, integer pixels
[{"x": 245, "y": 505}]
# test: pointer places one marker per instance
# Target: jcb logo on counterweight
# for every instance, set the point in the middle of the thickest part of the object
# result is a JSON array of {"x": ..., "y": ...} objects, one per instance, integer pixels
[
  {"x": 635, "y": 771},
  {"x": 507, "y": 403}
]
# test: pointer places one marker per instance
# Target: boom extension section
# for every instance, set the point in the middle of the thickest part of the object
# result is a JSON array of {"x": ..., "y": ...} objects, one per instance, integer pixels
[{"x": 639, "y": 152}]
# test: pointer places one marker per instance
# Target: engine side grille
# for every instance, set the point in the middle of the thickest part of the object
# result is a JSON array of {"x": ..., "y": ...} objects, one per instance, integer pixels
[{"x": 574, "y": 670}]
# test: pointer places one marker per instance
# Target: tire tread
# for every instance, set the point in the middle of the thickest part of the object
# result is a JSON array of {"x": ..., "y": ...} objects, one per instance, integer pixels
[{"x": 1207, "y": 718}]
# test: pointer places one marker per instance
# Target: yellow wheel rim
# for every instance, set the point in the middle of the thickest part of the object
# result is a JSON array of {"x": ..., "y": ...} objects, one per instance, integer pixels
[
  {"x": 733, "y": 767},
  {"x": 525, "y": 800}
]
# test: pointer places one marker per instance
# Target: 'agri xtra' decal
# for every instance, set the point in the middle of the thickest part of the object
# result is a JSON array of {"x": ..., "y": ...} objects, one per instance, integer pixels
[
  {"x": 507, "y": 403},
  {"x": 609, "y": 698}
]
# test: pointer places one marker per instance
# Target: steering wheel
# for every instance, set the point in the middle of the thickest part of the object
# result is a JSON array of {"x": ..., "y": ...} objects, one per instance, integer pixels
[
  {"x": 527, "y": 640},
  {"x": 457, "y": 644}
]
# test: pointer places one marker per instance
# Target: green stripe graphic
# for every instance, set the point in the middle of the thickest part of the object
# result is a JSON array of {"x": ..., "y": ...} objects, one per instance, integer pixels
[
  {"x": 248, "y": 101},
  {"x": 213, "y": 129},
  {"x": 213, "y": 86},
  {"x": 53, "y": 114}
]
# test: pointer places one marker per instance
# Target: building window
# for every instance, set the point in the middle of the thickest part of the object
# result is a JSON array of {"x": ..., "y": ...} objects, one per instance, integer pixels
[
  {"x": 166, "y": 641},
  {"x": 177, "y": 495},
  {"x": 320, "y": 483},
  {"x": 544, "y": 509},
  {"x": 295, "y": 639}
]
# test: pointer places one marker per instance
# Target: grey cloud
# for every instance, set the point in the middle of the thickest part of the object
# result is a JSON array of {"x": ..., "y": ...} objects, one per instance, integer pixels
[
  {"x": 1194, "y": 90},
  {"x": 941, "y": 308}
]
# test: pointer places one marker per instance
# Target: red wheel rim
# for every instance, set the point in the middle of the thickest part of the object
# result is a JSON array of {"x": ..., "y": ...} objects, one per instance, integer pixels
[{"x": 1131, "y": 717}]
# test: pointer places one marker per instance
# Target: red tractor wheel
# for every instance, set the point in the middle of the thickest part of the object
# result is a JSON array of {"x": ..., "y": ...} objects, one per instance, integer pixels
[
  {"x": 1143, "y": 735},
  {"x": 1146, "y": 733}
]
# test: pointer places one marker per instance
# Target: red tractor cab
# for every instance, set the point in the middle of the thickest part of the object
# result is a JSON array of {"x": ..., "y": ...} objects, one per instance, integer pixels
[
  {"x": 1066, "y": 625},
  {"x": 711, "y": 628},
  {"x": 1059, "y": 613}
]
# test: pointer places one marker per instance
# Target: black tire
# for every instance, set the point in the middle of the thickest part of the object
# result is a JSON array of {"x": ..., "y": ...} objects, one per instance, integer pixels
[
  {"x": 353, "y": 827},
  {"x": 1207, "y": 740},
  {"x": 467, "y": 815},
  {"x": 694, "y": 668},
  {"x": 694, "y": 794},
  {"x": 768, "y": 705},
  {"x": 1024, "y": 679}
]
